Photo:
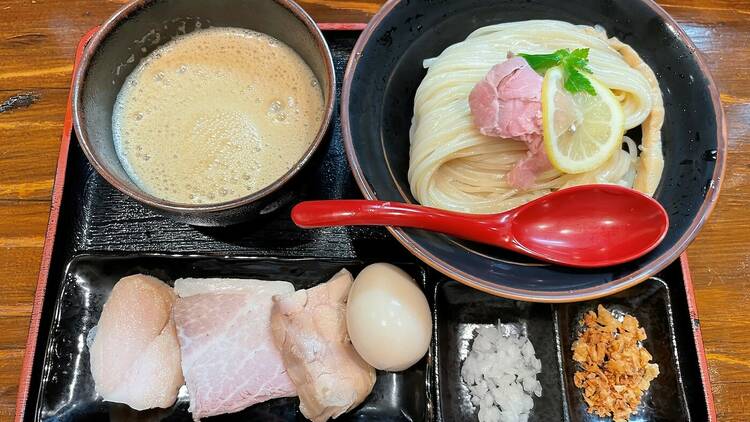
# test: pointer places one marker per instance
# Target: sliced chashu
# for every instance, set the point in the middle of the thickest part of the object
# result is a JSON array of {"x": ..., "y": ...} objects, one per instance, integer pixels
[
  {"x": 135, "y": 357},
  {"x": 229, "y": 358},
  {"x": 309, "y": 327}
]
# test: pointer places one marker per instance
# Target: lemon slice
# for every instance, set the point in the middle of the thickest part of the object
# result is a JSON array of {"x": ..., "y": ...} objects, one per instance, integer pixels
[{"x": 581, "y": 131}]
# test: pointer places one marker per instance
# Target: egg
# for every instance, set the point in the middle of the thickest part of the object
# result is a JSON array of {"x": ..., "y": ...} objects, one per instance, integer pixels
[{"x": 388, "y": 318}]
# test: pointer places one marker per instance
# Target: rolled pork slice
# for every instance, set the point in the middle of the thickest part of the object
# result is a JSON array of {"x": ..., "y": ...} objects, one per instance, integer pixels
[
  {"x": 135, "y": 357},
  {"x": 309, "y": 327}
]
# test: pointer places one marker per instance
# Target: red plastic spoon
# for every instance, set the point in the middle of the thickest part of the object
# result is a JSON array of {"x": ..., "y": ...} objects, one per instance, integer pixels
[{"x": 582, "y": 226}]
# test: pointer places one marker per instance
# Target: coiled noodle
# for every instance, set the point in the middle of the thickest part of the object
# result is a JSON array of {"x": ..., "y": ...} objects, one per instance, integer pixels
[{"x": 453, "y": 166}]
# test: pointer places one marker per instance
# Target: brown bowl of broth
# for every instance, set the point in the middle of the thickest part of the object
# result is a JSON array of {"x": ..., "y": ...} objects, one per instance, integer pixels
[{"x": 205, "y": 111}]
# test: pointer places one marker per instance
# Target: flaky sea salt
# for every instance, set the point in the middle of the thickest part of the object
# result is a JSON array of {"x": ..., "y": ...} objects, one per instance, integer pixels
[{"x": 500, "y": 373}]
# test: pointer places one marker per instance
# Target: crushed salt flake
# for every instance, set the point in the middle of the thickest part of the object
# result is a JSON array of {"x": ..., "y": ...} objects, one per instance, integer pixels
[{"x": 500, "y": 373}]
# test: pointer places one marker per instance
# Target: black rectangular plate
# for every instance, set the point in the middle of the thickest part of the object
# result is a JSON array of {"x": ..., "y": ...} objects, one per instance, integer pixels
[
  {"x": 552, "y": 329},
  {"x": 67, "y": 390},
  {"x": 101, "y": 235}
]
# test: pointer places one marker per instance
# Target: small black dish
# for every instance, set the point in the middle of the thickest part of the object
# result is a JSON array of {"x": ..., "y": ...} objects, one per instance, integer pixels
[
  {"x": 650, "y": 304},
  {"x": 461, "y": 311},
  {"x": 386, "y": 64}
]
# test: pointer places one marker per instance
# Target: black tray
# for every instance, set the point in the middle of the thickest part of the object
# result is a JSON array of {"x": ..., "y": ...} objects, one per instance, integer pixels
[{"x": 97, "y": 235}]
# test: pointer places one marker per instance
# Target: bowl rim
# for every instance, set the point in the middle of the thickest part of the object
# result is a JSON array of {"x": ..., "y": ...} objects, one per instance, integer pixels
[
  {"x": 575, "y": 295},
  {"x": 185, "y": 208}
]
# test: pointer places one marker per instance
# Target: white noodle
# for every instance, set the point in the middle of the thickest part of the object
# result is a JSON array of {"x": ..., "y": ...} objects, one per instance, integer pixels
[{"x": 453, "y": 166}]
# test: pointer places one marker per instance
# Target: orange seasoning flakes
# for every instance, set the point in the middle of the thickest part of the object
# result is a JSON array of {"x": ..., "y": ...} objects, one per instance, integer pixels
[{"x": 615, "y": 369}]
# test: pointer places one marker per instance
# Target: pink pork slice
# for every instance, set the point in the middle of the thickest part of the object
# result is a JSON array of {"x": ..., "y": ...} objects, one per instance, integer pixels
[
  {"x": 228, "y": 355},
  {"x": 507, "y": 104}
]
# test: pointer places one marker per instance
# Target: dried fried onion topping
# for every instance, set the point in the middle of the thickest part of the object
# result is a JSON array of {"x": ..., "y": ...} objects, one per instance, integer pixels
[{"x": 615, "y": 369}]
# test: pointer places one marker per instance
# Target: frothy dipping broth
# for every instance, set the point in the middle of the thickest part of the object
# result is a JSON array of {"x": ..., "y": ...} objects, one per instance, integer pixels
[{"x": 216, "y": 115}]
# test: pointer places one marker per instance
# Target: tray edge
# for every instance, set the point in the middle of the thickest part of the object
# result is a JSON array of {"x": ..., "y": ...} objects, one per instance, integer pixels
[
  {"x": 49, "y": 241},
  {"x": 698, "y": 338}
]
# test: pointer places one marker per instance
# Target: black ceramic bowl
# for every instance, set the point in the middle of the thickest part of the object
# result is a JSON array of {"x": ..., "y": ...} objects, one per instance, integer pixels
[
  {"x": 142, "y": 26},
  {"x": 386, "y": 64}
]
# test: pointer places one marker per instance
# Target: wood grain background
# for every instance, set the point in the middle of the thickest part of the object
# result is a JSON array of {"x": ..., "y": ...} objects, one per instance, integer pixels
[{"x": 37, "y": 43}]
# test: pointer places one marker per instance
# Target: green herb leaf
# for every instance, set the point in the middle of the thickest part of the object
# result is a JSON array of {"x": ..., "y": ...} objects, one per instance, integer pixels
[
  {"x": 575, "y": 81},
  {"x": 578, "y": 59},
  {"x": 574, "y": 64},
  {"x": 542, "y": 62}
]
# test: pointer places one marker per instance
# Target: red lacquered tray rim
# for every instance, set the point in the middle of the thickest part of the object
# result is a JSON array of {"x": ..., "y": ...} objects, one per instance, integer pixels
[
  {"x": 698, "y": 337},
  {"x": 57, "y": 191}
]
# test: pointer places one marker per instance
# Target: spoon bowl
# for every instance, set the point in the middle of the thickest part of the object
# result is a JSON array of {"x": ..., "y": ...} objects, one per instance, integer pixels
[
  {"x": 584, "y": 226},
  {"x": 590, "y": 226}
]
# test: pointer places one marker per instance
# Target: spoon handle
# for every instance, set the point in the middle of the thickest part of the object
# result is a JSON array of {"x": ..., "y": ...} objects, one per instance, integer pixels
[{"x": 480, "y": 228}]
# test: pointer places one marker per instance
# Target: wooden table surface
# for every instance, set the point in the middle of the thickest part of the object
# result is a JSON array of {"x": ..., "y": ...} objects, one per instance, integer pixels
[{"x": 37, "y": 42}]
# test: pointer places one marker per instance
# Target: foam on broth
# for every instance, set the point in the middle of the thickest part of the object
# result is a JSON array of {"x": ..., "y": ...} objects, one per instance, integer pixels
[{"x": 216, "y": 115}]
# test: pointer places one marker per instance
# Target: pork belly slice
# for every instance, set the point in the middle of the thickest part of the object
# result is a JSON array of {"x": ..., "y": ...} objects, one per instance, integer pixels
[
  {"x": 229, "y": 358},
  {"x": 135, "y": 357},
  {"x": 309, "y": 327}
]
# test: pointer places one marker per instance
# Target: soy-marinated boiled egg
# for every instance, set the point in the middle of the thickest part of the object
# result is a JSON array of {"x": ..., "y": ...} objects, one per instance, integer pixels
[{"x": 388, "y": 318}]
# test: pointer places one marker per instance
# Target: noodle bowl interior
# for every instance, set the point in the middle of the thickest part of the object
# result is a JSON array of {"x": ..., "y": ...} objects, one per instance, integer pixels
[
  {"x": 216, "y": 115},
  {"x": 454, "y": 166}
]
